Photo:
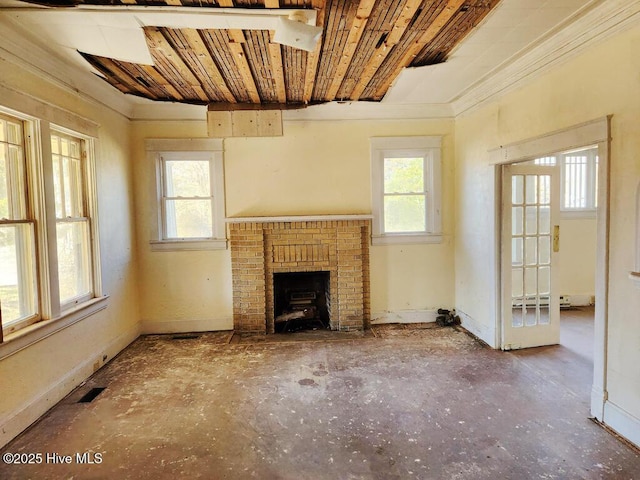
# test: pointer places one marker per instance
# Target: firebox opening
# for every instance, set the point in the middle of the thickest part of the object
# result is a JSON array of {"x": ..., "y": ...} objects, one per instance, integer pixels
[{"x": 301, "y": 301}]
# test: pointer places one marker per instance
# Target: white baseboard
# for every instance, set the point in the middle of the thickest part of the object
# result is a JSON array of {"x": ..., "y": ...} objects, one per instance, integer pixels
[
  {"x": 598, "y": 397},
  {"x": 622, "y": 422},
  {"x": 404, "y": 316},
  {"x": 15, "y": 422},
  {"x": 475, "y": 328},
  {"x": 183, "y": 326}
]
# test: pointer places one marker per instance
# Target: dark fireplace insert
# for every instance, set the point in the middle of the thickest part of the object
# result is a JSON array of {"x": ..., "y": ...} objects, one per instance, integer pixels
[{"x": 301, "y": 301}]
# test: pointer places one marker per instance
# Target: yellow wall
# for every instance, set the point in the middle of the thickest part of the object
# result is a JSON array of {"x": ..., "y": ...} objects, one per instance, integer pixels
[
  {"x": 35, "y": 378},
  {"x": 577, "y": 257},
  {"x": 315, "y": 168},
  {"x": 601, "y": 81}
]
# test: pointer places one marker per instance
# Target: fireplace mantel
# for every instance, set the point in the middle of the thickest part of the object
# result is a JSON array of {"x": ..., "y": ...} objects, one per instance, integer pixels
[{"x": 299, "y": 218}]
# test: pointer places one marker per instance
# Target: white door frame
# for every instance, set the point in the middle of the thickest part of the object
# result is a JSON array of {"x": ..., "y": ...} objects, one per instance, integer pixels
[{"x": 596, "y": 132}]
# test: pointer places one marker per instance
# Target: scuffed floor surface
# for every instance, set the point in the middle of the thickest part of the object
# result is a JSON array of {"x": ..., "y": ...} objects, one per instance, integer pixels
[{"x": 432, "y": 404}]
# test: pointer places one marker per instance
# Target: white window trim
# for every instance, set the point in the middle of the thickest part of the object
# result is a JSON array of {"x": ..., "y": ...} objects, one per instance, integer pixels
[
  {"x": 592, "y": 172},
  {"x": 634, "y": 275},
  {"x": 91, "y": 200},
  {"x": 51, "y": 318},
  {"x": 212, "y": 148},
  {"x": 430, "y": 147}
]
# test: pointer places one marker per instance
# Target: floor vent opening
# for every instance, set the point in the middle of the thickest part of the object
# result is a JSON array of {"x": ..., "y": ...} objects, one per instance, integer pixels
[
  {"x": 91, "y": 395},
  {"x": 188, "y": 336}
]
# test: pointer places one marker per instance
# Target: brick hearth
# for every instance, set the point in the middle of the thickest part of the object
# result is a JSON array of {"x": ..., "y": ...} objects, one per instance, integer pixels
[{"x": 262, "y": 247}]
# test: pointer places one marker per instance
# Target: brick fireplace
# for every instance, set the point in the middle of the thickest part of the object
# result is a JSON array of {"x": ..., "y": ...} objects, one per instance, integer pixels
[{"x": 262, "y": 247}]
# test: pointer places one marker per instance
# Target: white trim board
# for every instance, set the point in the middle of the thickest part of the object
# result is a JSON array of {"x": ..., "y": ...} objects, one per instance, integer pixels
[
  {"x": 622, "y": 422},
  {"x": 588, "y": 133},
  {"x": 150, "y": 327},
  {"x": 473, "y": 327},
  {"x": 404, "y": 316}
]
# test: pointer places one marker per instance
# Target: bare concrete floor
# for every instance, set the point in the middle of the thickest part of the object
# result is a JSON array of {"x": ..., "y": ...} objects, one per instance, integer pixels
[{"x": 403, "y": 403}]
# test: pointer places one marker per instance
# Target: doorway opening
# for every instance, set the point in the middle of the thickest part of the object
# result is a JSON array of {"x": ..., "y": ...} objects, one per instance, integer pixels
[{"x": 566, "y": 142}]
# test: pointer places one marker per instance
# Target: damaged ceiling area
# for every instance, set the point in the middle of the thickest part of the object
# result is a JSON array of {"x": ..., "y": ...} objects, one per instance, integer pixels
[{"x": 213, "y": 52}]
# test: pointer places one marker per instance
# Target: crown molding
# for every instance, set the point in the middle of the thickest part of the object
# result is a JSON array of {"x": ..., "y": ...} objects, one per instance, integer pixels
[
  {"x": 369, "y": 111},
  {"x": 19, "y": 48},
  {"x": 603, "y": 21},
  {"x": 149, "y": 111}
]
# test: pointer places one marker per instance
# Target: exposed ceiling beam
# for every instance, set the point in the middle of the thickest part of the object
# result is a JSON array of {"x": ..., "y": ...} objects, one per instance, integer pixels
[
  {"x": 429, "y": 34},
  {"x": 225, "y": 3},
  {"x": 240, "y": 59},
  {"x": 355, "y": 33},
  {"x": 401, "y": 24},
  {"x": 314, "y": 56},
  {"x": 275, "y": 54},
  {"x": 272, "y": 3}
]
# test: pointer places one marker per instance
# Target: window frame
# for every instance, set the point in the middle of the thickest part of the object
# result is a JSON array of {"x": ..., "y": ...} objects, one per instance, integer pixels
[
  {"x": 89, "y": 207},
  {"x": 427, "y": 147},
  {"x": 559, "y": 160},
  {"x": 51, "y": 316},
  {"x": 29, "y": 219},
  {"x": 159, "y": 150}
]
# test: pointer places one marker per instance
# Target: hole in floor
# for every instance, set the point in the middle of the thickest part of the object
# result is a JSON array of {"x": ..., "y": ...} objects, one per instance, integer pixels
[
  {"x": 91, "y": 395},
  {"x": 187, "y": 336}
]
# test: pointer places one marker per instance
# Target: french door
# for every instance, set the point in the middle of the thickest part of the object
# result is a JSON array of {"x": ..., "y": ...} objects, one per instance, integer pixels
[{"x": 530, "y": 246}]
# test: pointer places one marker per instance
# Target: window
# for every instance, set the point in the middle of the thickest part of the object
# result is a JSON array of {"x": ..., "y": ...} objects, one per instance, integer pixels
[
  {"x": 49, "y": 267},
  {"x": 190, "y": 187},
  {"x": 187, "y": 195},
  {"x": 18, "y": 287},
  {"x": 578, "y": 179},
  {"x": 406, "y": 189},
  {"x": 73, "y": 224}
]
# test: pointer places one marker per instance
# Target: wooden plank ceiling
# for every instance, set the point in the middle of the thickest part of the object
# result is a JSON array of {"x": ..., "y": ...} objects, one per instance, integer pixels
[{"x": 364, "y": 46}]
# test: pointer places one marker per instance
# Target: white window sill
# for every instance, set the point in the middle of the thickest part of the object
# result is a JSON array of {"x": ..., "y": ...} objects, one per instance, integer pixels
[
  {"x": 179, "y": 245},
  {"x": 25, "y": 337},
  {"x": 405, "y": 238},
  {"x": 635, "y": 278},
  {"x": 577, "y": 214}
]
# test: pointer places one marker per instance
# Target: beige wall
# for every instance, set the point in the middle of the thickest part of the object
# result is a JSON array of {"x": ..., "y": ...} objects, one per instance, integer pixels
[
  {"x": 314, "y": 168},
  {"x": 578, "y": 258},
  {"x": 35, "y": 378},
  {"x": 601, "y": 81}
]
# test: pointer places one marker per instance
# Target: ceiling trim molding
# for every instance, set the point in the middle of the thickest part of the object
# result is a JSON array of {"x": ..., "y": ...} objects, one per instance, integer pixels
[
  {"x": 605, "y": 20},
  {"x": 149, "y": 111},
  {"x": 18, "y": 48},
  {"x": 369, "y": 111}
]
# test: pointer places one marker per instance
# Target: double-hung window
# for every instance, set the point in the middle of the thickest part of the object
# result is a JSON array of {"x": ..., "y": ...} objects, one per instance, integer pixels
[
  {"x": 406, "y": 189},
  {"x": 49, "y": 261},
  {"x": 73, "y": 222},
  {"x": 190, "y": 201},
  {"x": 18, "y": 283},
  {"x": 187, "y": 195}
]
